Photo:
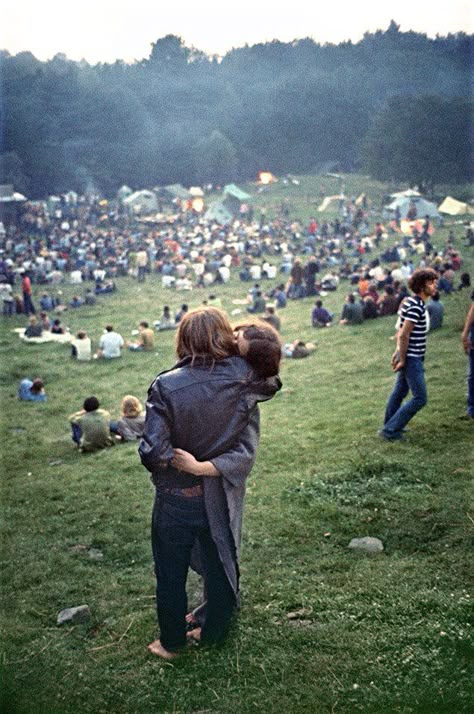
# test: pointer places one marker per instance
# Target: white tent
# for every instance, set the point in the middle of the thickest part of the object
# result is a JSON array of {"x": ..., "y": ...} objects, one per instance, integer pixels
[
  {"x": 409, "y": 193},
  {"x": 453, "y": 207},
  {"x": 404, "y": 203},
  {"x": 142, "y": 201}
]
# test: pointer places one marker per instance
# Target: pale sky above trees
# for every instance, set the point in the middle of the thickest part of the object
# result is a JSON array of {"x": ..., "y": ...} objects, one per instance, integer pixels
[{"x": 106, "y": 30}]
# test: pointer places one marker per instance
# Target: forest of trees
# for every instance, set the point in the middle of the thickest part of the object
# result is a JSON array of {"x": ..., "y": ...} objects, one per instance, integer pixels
[{"x": 396, "y": 105}]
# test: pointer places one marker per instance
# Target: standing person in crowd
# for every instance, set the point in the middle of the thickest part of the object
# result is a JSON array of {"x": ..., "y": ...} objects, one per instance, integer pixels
[
  {"x": 436, "y": 311},
  {"x": 199, "y": 465},
  {"x": 110, "y": 344},
  {"x": 27, "y": 292},
  {"x": 141, "y": 259},
  {"x": 407, "y": 360},
  {"x": 32, "y": 390},
  {"x": 467, "y": 338}
]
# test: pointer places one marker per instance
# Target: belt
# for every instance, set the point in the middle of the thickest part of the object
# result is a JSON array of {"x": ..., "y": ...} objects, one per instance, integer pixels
[{"x": 189, "y": 492}]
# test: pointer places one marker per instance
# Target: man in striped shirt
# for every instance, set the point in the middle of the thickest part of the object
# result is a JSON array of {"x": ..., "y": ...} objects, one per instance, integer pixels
[{"x": 407, "y": 360}]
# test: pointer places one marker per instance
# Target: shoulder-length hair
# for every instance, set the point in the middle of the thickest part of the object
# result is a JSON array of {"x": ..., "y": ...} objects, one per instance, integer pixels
[
  {"x": 264, "y": 347},
  {"x": 205, "y": 332},
  {"x": 131, "y": 406}
]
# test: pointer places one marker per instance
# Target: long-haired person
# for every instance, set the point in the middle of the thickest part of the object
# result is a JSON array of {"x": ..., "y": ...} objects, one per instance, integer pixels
[{"x": 199, "y": 443}]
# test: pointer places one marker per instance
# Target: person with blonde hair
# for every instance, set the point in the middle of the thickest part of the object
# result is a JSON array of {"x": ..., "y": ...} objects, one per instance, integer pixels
[
  {"x": 132, "y": 419},
  {"x": 199, "y": 443}
]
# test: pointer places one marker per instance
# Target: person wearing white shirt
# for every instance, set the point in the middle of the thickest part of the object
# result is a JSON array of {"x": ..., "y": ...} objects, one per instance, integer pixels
[{"x": 111, "y": 343}]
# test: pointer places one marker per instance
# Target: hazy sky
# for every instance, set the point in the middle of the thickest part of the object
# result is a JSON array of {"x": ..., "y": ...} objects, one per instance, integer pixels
[{"x": 106, "y": 30}]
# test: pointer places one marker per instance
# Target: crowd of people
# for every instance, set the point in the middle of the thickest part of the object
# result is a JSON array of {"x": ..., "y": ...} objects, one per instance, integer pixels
[{"x": 199, "y": 464}]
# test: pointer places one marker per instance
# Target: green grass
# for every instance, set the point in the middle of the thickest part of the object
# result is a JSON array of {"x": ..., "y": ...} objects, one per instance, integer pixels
[{"x": 384, "y": 634}]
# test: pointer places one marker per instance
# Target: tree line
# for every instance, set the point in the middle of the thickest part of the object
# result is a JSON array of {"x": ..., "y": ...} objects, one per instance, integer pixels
[{"x": 396, "y": 105}]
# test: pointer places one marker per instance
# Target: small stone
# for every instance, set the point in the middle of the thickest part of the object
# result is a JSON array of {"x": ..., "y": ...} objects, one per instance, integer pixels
[
  {"x": 81, "y": 613},
  {"x": 366, "y": 545},
  {"x": 95, "y": 554}
]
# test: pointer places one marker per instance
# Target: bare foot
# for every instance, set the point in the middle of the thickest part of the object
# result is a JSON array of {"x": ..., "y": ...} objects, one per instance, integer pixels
[
  {"x": 157, "y": 648},
  {"x": 194, "y": 634}
]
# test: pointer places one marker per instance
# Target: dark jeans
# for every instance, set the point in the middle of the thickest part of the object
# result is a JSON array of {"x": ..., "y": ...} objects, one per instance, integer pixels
[
  {"x": 76, "y": 433},
  {"x": 28, "y": 306},
  {"x": 410, "y": 378},
  {"x": 470, "y": 384},
  {"x": 177, "y": 524}
]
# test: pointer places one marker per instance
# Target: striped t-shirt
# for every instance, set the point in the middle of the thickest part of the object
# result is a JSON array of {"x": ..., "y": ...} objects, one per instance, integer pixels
[{"x": 413, "y": 309}]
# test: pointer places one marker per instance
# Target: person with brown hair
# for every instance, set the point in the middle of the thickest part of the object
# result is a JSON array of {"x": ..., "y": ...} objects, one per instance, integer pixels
[
  {"x": 407, "y": 360},
  {"x": 260, "y": 344},
  {"x": 199, "y": 443}
]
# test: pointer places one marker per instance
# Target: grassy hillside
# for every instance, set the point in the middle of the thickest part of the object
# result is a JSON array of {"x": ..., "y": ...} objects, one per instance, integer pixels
[{"x": 321, "y": 630}]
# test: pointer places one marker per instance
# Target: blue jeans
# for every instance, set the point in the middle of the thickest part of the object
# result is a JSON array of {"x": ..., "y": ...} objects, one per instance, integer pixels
[
  {"x": 470, "y": 384},
  {"x": 76, "y": 433},
  {"x": 177, "y": 525},
  {"x": 410, "y": 378}
]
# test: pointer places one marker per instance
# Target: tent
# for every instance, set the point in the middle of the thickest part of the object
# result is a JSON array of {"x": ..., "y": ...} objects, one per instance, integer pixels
[
  {"x": 453, "y": 207},
  {"x": 232, "y": 190},
  {"x": 326, "y": 202},
  {"x": 409, "y": 193},
  {"x": 219, "y": 213},
  {"x": 405, "y": 203},
  {"x": 124, "y": 192},
  {"x": 142, "y": 202}
]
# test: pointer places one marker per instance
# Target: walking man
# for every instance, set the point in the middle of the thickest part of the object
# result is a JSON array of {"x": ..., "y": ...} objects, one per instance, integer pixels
[{"x": 408, "y": 358}]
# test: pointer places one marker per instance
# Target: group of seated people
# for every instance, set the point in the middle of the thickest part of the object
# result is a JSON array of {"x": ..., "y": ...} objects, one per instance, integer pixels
[{"x": 94, "y": 429}]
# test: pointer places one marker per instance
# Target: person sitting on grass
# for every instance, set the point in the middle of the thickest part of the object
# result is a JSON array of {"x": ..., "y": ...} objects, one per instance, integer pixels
[
  {"x": 132, "y": 420},
  {"x": 321, "y": 317},
  {"x": 90, "y": 426},
  {"x": 166, "y": 321},
  {"x": 145, "y": 341},
  {"x": 32, "y": 390},
  {"x": 81, "y": 347},
  {"x": 34, "y": 329},
  {"x": 57, "y": 328}
]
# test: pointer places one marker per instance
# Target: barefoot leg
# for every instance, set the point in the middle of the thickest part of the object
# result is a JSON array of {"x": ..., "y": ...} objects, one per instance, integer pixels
[{"x": 157, "y": 649}]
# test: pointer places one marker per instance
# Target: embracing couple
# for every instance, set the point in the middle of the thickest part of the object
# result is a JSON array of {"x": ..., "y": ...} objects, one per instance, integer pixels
[{"x": 200, "y": 442}]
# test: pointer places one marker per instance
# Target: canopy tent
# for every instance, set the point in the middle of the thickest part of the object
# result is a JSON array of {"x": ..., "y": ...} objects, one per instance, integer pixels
[
  {"x": 406, "y": 203},
  {"x": 453, "y": 207}
]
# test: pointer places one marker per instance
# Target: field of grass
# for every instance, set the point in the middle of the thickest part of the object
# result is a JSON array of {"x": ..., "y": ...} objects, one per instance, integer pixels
[{"x": 321, "y": 629}]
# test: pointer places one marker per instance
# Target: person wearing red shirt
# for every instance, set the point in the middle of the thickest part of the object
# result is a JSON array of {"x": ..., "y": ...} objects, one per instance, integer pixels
[{"x": 27, "y": 292}]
